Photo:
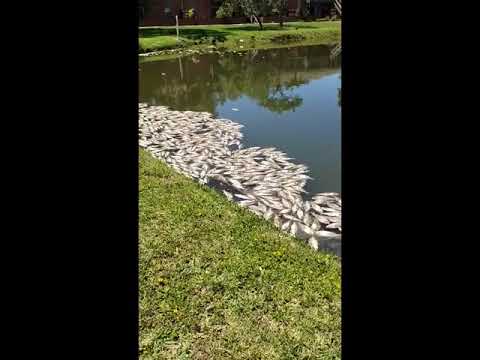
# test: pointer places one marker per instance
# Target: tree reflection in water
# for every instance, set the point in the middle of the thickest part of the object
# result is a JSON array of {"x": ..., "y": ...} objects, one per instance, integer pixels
[{"x": 270, "y": 77}]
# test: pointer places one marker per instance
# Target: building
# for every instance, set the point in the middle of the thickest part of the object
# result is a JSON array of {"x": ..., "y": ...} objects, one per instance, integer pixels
[
  {"x": 163, "y": 12},
  {"x": 320, "y": 8}
]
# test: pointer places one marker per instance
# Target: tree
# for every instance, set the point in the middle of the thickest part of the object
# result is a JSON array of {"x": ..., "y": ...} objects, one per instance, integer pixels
[
  {"x": 255, "y": 8},
  {"x": 280, "y": 7}
]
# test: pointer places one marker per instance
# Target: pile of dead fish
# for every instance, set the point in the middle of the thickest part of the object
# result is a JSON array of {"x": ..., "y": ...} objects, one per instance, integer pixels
[{"x": 263, "y": 180}]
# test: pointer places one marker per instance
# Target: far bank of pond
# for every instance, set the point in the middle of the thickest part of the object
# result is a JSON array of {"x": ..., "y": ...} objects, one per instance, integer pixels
[{"x": 162, "y": 42}]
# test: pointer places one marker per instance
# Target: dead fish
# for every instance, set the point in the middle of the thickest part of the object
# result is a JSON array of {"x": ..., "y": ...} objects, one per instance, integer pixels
[
  {"x": 330, "y": 194},
  {"x": 317, "y": 208},
  {"x": 320, "y": 200},
  {"x": 268, "y": 214},
  {"x": 262, "y": 207},
  {"x": 294, "y": 208},
  {"x": 300, "y": 213},
  {"x": 246, "y": 203},
  {"x": 334, "y": 226},
  {"x": 286, "y": 225},
  {"x": 245, "y": 197},
  {"x": 285, "y": 203},
  {"x": 313, "y": 243},
  {"x": 323, "y": 233},
  {"x": 315, "y": 225},
  {"x": 306, "y": 229},
  {"x": 307, "y": 206},
  {"x": 289, "y": 217},
  {"x": 322, "y": 219},
  {"x": 199, "y": 146},
  {"x": 293, "y": 229},
  {"x": 276, "y": 205},
  {"x": 228, "y": 195},
  {"x": 307, "y": 219},
  {"x": 277, "y": 221},
  {"x": 236, "y": 184},
  {"x": 329, "y": 209}
]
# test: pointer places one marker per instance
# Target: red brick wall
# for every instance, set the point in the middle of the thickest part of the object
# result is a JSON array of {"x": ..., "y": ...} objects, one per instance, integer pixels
[
  {"x": 156, "y": 15},
  {"x": 204, "y": 10}
]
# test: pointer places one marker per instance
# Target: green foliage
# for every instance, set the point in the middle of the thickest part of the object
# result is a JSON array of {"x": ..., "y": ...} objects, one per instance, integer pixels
[
  {"x": 255, "y": 8},
  {"x": 279, "y": 7},
  {"x": 287, "y": 38},
  {"x": 190, "y": 13},
  {"x": 280, "y": 102},
  {"x": 227, "y": 9},
  {"x": 252, "y": 7}
]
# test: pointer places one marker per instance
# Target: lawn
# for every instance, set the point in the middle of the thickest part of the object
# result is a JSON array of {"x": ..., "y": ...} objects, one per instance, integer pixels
[
  {"x": 236, "y": 36},
  {"x": 217, "y": 282}
]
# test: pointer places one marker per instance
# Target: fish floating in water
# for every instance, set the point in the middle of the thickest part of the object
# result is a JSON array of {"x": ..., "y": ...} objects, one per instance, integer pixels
[{"x": 263, "y": 180}]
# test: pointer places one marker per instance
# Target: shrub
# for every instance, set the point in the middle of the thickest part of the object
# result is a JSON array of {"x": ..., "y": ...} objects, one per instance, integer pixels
[
  {"x": 190, "y": 13},
  {"x": 286, "y": 38}
]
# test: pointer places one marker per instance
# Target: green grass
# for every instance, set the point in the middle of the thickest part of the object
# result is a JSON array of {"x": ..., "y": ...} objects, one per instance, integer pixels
[
  {"x": 159, "y": 42},
  {"x": 217, "y": 282},
  {"x": 228, "y": 36}
]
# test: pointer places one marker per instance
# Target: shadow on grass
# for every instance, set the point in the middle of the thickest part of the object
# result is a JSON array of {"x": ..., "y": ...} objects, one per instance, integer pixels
[
  {"x": 271, "y": 26},
  {"x": 192, "y": 34},
  {"x": 220, "y": 34}
]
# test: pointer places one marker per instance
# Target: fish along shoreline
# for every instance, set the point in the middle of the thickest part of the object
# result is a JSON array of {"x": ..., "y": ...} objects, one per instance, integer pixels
[{"x": 263, "y": 180}]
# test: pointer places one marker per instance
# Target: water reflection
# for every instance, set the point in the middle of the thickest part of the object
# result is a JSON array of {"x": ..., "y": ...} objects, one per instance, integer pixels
[
  {"x": 202, "y": 83},
  {"x": 335, "y": 59}
]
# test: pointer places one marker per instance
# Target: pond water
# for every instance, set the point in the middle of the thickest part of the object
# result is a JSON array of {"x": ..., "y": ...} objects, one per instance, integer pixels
[{"x": 286, "y": 98}]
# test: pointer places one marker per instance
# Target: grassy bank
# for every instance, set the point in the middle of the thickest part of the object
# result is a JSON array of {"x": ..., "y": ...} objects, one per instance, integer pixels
[
  {"x": 216, "y": 282},
  {"x": 238, "y": 37}
]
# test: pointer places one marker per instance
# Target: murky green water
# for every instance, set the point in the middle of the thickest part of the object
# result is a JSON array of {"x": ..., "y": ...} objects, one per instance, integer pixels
[{"x": 286, "y": 98}]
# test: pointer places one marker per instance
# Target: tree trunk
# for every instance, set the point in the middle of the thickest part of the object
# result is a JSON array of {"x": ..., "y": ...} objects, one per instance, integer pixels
[{"x": 259, "y": 21}]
